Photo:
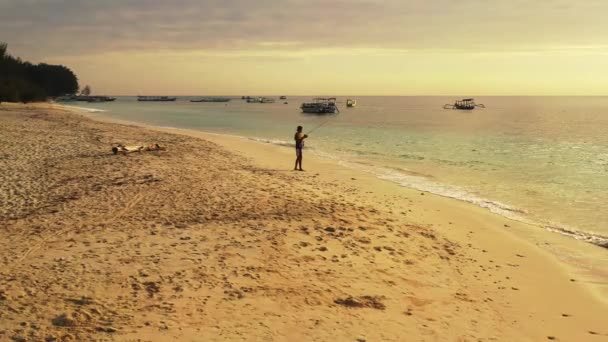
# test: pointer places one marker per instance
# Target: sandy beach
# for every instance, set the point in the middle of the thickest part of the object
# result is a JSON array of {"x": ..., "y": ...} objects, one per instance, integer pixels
[{"x": 215, "y": 238}]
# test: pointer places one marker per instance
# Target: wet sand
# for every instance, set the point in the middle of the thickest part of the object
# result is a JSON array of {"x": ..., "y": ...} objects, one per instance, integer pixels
[{"x": 216, "y": 238}]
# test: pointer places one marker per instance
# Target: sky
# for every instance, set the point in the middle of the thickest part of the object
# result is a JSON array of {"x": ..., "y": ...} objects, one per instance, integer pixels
[{"x": 314, "y": 47}]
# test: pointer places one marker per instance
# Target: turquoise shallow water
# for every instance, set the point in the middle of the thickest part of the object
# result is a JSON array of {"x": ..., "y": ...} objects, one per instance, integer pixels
[{"x": 536, "y": 159}]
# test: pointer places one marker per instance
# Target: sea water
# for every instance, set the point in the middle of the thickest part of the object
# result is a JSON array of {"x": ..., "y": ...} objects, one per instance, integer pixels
[{"x": 542, "y": 160}]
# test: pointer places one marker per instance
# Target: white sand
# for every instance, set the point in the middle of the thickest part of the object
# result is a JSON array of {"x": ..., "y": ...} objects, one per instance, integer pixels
[{"x": 200, "y": 243}]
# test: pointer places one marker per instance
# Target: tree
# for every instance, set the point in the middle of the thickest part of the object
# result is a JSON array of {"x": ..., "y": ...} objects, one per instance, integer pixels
[
  {"x": 22, "y": 81},
  {"x": 2, "y": 50},
  {"x": 86, "y": 91}
]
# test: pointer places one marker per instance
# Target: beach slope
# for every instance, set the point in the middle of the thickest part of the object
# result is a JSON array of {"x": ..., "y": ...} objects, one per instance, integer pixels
[{"x": 197, "y": 242}]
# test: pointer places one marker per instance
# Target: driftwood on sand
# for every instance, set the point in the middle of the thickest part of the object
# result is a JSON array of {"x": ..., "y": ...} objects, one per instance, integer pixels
[{"x": 122, "y": 149}]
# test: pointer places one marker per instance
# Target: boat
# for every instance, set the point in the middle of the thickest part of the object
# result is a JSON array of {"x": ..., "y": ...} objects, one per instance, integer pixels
[
  {"x": 212, "y": 99},
  {"x": 66, "y": 98},
  {"x": 351, "y": 103},
  {"x": 464, "y": 104},
  {"x": 100, "y": 99},
  {"x": 320, "y": 105},
  {"x": 283, "y": 98},
  {"x": 259, "y": 100},
  {"x": 156, "y": 98},
  {"x": 84, "y": 98}
]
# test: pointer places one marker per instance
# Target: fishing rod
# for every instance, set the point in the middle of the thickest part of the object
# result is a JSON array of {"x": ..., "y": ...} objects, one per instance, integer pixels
[
  {"x": 317, "y": 127},
  {"x": 322, "y": 124}
]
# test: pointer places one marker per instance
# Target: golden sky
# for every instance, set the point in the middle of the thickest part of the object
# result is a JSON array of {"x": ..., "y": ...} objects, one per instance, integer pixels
[{"x": 293, "y": 47}]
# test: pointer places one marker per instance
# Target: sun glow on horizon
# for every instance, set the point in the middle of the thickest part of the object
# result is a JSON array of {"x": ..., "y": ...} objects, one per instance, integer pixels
[{"x": 357, "y": 71}]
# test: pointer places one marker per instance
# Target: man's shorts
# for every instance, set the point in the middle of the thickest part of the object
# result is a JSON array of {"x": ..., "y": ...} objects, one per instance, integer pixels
[{"x": 298, "y": 152}]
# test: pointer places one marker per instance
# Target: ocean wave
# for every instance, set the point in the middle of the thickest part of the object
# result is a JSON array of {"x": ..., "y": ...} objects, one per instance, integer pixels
[
  {"x": 272, "y": 141},
  {"x": 84, "y": 109},
  {"x": 417, "y": 181},
  {"x": 424, "y": 184},
  {"x": 411, "y": 156},
  {"x": 591, "y": 237},
  {"x": 517, "y": 214}
]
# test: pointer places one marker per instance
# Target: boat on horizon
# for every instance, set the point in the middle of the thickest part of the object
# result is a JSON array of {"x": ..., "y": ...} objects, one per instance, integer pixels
[
  {"x": 84, "y": 98},
  {"x": 350, "y": 103},
  {"x": 283, "y": 97},
  {"x": 156, "y": 98},
  {"x": 100, "y": 99},
  {"x": 212, "y": 99},
  {"x": 320, "y": 105},
  {"x": 464, "y": 104},
  {"x": 260, "y": 100}
]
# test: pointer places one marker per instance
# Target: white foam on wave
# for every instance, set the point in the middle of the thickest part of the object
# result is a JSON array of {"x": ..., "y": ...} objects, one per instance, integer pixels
[
  {"x": 591, "y": 237},
  {"x": 84, "y": 109},
  {"x": 496, "y": 207},
  {"x": 424, "y": 184},
  {"x": 272, "y": 141}
]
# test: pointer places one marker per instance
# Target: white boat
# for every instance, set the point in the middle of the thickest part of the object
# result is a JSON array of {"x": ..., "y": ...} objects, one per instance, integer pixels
[
  {"x": 321, "y": 105},
  {"x": 464, "y": 104},
  {"x": 351, "y": 103},
  {"x": 259, "y": 100}
]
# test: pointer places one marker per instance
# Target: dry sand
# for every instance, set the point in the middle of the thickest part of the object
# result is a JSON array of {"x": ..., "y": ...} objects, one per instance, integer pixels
[{"x": 200, "y": 242}]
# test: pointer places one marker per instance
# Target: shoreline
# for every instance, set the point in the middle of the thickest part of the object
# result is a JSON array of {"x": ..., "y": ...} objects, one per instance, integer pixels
[
  {"x": 538, "y": 237},
  {"x": 497, "y": 207},
  {"x": 467, "y": 273},
  {"x": 529, "y": 233}
]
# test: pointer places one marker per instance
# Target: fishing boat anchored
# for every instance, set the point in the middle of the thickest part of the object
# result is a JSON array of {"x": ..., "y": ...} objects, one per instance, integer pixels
[
  {"x": 351, "y": 103},
  {"x": 87, "y": 98},
  {"x": 156, "y": 98},
  {"x": 321, "y": 105},
  {"x": 464, "y": 104},
  {"x": 99, "y": 99},
  {"x": 259, "y": 100},
  {"x": 212, "y": 99}
]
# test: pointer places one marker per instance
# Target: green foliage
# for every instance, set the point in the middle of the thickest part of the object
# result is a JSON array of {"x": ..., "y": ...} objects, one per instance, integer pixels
[
  {"x": 25, "y": 82},
  {"x": 86, "y": 91}
]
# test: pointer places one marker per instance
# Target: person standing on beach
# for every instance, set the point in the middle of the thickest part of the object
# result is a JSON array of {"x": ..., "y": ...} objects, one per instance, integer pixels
[{"x": 299, "y": 138}]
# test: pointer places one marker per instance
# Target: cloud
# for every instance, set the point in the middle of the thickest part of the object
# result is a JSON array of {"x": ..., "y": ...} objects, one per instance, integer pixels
[{"x": 59, "y": 27}]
